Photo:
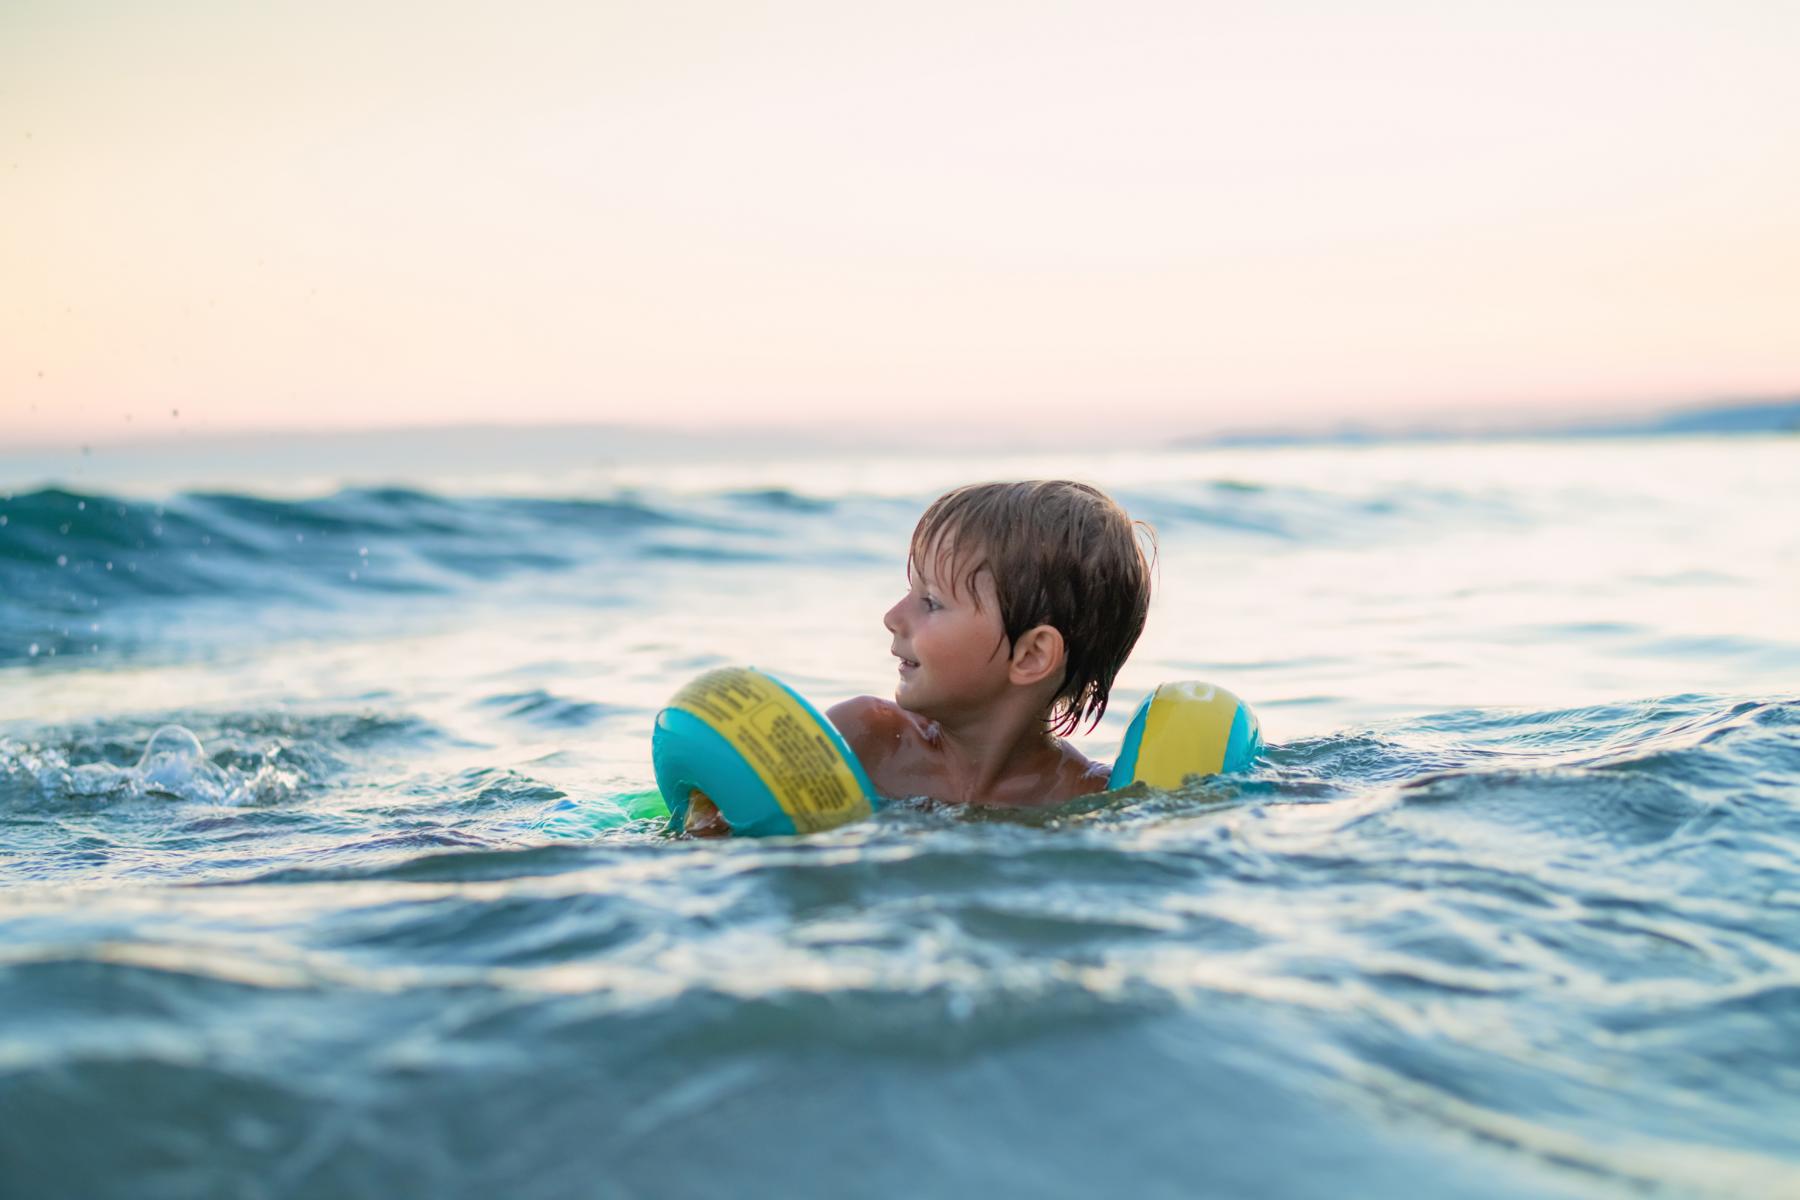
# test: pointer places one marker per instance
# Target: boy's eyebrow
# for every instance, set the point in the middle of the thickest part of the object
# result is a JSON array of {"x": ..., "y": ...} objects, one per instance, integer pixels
[
  {"x": 915, "y": 565},
  {"x": 946, "y": 554}
]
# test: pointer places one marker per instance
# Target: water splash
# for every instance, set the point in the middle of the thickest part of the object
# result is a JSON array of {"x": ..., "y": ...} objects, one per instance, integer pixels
[{"x": 174, "y": 765}]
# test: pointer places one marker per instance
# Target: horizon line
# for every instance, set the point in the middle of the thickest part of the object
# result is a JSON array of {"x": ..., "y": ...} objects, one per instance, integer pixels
[{"x": 1489, "y": 420}]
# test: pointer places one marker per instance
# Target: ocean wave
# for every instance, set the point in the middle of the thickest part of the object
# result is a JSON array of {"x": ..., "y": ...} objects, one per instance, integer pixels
[
  {"x": 56, "y": 542},
  {"x": 1301, "y": 514},
  {"x": 544, "y": 709},
  {"x": 71, "y": 563}
]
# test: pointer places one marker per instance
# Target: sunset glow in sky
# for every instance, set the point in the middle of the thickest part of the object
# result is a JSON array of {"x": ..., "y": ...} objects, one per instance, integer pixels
[{"x": 1167, "y": 216}]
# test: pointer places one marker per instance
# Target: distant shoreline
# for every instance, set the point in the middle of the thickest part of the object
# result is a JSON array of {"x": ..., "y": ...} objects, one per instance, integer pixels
[{"x": 1726, "y": 417}]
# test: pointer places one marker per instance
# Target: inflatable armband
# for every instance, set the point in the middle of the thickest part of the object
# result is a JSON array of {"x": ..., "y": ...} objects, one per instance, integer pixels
[
  {"x": 1186, "y": 729},
  {"x": 765, "y": 756}
]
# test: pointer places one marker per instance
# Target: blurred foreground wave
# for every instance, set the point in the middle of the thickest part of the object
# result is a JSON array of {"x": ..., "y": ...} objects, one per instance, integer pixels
[{"x": 1541, "y": 952}]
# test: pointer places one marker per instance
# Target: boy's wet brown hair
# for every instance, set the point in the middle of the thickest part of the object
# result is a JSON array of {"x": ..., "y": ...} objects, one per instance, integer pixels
[{"x": 1061, "y": 554}]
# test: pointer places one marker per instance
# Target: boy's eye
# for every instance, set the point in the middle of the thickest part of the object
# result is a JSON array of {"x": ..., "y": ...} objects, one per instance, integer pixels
[{"x": 931, "y": 604}]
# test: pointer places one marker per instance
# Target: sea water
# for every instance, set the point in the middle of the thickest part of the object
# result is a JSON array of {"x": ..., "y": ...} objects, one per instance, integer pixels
[{"x": 1511, "y": 907}]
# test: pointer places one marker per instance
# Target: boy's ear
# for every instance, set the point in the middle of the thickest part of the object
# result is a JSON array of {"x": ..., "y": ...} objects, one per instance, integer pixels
[{"x": 1037, "y": 654}]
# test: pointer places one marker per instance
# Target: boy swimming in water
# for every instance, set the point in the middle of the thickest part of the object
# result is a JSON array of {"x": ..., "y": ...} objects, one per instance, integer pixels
[{"x": 1024, "y": 601}]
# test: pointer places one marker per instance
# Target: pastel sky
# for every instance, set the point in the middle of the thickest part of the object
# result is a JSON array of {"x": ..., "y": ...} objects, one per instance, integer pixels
[{"x": 1166, "y": 217}]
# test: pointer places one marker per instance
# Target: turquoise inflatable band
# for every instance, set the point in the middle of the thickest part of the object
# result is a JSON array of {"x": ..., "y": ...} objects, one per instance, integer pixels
[
  {"x": 689, "y": 755},
  {"x": 1125, "y": 765},
  {"x": 1245, "y": 744}
]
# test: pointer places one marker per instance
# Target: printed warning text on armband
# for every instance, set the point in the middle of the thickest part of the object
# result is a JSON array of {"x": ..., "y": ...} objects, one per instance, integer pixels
[
  {"x": 818, "y": 791},
  {"x": 723, "y": 696}
]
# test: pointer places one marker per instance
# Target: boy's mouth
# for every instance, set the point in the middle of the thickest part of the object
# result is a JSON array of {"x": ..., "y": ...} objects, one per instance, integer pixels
[{"x": 906, "y": 664}]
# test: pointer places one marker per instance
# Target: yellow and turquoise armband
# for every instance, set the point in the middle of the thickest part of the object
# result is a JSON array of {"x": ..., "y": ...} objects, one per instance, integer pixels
[
  {"x": 760, "y": 752},
  {"x": 1186, "y": 729}
]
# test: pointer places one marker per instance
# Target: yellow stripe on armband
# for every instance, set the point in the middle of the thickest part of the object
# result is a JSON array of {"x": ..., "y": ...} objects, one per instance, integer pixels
[{"x": 1185, "y": 733}]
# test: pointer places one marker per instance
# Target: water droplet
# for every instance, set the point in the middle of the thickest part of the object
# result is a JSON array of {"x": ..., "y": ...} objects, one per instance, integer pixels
[
  {"x": 299, "y": 537},
  {"x": 33, "y": 652},
  {"x": 81, "y": 506},
  {"x": 63, "y": 528},
  {"x": 363, "y": 550},
  {"x": 109, "y": 566},
  {"x": 353, "y": 577},
  {"x": 62, "y": 560},
  {"x": 2, "y": 518}
]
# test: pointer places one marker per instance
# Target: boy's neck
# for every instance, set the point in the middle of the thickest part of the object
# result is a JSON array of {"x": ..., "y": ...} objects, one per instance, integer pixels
[{"x": 980, "y": 752}]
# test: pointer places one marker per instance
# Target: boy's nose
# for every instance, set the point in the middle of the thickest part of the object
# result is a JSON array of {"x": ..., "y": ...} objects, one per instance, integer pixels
[{"x": 891, "y": 618}]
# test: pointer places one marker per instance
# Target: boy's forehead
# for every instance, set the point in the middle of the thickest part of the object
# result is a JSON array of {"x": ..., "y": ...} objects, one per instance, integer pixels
[
  {"x": 938, "y": 557},
  {"x": 943, "y": 562}
]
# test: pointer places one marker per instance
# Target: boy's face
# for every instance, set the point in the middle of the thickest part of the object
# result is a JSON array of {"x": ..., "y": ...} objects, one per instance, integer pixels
[{"x": 950, "y": 643}]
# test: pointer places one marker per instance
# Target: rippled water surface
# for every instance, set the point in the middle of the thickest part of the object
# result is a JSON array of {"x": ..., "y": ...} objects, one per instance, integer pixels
[{"x": 1512, "y": 906}]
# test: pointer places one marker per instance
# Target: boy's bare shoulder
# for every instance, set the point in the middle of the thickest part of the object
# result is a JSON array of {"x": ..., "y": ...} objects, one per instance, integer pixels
[
  {"x": 893, "y": 745},
  {"x": 1082, "y": 775},
  {"x": 874, "y": 727}
]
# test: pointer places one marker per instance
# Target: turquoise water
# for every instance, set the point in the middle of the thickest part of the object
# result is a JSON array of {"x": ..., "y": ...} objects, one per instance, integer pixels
[{"x": 1512, "y": 906}]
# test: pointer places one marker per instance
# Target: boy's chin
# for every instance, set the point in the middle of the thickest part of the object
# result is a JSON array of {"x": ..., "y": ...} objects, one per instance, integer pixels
[{"x": 909, "y": 699}]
